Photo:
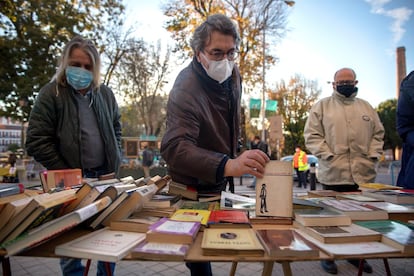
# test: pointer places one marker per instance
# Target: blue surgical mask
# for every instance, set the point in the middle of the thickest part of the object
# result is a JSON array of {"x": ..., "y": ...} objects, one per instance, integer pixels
[{"x": 78, "y": 77}]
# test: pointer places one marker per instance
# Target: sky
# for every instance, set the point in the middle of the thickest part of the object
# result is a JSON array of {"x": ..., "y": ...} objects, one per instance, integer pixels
[{"x": 323, "y": 36}]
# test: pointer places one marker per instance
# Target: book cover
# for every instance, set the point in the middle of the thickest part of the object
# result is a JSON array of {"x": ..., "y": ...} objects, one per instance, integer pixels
[
  {"x": 321, "y": 217},
  {"x": 274, "y": 192},
  {"x": 228, "y": 219},
  {"x": 8, "y": 189},
  {"x": 397, "y": 234},
  {"x": 286, "y": 243},
  {"x": 231, "y": 241},
  {"x": 356, "y": 210},
  {"x": 190, "y": 204},
  {"x": 352, "y": 249},
  {"x": 340, "y": 234},
  {"x": 201, "y": 216},
  {"x": 395, "y": 211},
  {"x": 357, "y": 197},
  {"x": 66, "y": 178},
  {"x": 101, "y": 245},
  {"x": 54, "y": 227},
  {"x": 235, "y": 201},
  {"x": 160, "y": 251},
  {"x": 303, "y": 203},
  {"x": 393, "y": 196},
  {"x": 377, "y": 186},
  {"x": 172, "y": 231}
]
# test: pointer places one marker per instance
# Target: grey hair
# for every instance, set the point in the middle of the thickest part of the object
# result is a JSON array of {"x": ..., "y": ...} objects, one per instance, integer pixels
[
  {"x": 215, "y": 22},
  {"x": 346, "y": 68},
  {"x": 89, "y": 48}
]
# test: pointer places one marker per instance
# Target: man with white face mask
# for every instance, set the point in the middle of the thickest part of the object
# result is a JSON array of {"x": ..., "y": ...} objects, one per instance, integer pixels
[{"x": 203, "y": 117}]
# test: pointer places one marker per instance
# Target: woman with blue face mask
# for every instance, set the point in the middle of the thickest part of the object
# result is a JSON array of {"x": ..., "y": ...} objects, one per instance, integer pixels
[{"x": 75, "y": 123}]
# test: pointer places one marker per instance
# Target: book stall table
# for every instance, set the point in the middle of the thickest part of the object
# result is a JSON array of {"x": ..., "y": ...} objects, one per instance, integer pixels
[{"x": 195, "y": 254}]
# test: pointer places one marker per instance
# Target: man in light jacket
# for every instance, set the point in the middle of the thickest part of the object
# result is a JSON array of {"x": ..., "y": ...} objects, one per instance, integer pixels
[{"x": 346, "y": 134}]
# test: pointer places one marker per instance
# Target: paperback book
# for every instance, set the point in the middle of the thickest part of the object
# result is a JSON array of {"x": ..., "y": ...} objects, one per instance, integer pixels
[
  {"x": 352, "y": 249},
  {"x": 286, "y": 243},
  {"x": 356, "y": 210},
  {"x": 200, "y": 215},
  {"x": 397, "y": 234},
  {"x": 231, "y": 241},
  {"x": 321, "y": 217},
  {"x": 228, "y": 219},
  {"x": 101, "y": 245},
  {"x": 340, "y": 234},
  {"x": 274, "y": 192},
  {"x": 172, "y": 231},
  {"x": 160, "y": 251}
]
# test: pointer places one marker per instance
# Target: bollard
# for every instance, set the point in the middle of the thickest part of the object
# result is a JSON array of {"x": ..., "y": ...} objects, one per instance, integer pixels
[{"x": 312, "y": 172}]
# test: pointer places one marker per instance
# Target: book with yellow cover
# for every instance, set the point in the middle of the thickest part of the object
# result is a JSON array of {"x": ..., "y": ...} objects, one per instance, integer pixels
[
  {"x": 231, "y": 241},
  {"x": 199, "y": 215}
]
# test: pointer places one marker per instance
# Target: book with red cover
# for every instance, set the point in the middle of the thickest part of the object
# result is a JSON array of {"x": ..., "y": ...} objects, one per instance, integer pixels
[{"x": 228, "y": 218}]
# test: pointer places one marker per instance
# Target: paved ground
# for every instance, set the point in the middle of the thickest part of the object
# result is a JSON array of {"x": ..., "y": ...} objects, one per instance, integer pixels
[{"x": 22, "y": 266}]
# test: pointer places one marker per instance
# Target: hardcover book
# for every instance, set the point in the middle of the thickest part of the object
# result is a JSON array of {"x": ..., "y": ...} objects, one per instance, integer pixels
[
  {"x": 231, "y": 241},
  {"x": 274, "y": 192},
  {"x": 286, "y": 243},
  {"x": 102, "y": 245},
  {"x": 172, "y": 231},
  {"x": 352, "y": 249},
  {"x": 322, "y": 193},
  {"x": 268, "y": 220},
  {"x": 12, "y": 208},
  {"x": 321, "y": 217},
  {"x": 228, "y": 219},
  {"x": 356, "y": 210},
  {"x": 160, "y": 251},
  {"x": 397, "y": 234},
  {"x": 340, "y": 234},
  {"x": 54, "y": 227}
]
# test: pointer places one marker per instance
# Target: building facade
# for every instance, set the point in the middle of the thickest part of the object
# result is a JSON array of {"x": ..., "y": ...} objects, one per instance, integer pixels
[{"x": 11, "y": 132}]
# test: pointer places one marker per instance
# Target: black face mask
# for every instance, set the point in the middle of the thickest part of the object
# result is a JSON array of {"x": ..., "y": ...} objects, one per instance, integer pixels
[{"x": 346, "y": 89}]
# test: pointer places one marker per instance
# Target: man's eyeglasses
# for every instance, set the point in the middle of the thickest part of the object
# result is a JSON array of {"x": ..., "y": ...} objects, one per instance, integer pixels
[
  {"x": 219, "y": 55},
  {"x": 349, "y": 82}
]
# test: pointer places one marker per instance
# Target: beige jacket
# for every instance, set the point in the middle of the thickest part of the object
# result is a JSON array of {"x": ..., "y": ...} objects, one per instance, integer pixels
[{"x": 346, "y": 135}]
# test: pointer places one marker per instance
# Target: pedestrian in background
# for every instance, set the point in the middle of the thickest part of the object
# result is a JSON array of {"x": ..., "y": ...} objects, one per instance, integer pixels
[
  {"x": 257, "y": 143},
  {"x": 300, "y": 164},
  {"x": 346, "y": 135},
  {"x": 405, "y": 127},
  {"x": 75, "y": 123},
  {"x": 147, "y": 160}
]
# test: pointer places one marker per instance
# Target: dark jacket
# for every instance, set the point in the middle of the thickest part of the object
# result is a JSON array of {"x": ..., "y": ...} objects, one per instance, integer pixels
[
  {"x": 405, "y": 127},
  {"x": 202, "y": 128},
  {"x": 53, "y": 135}
]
